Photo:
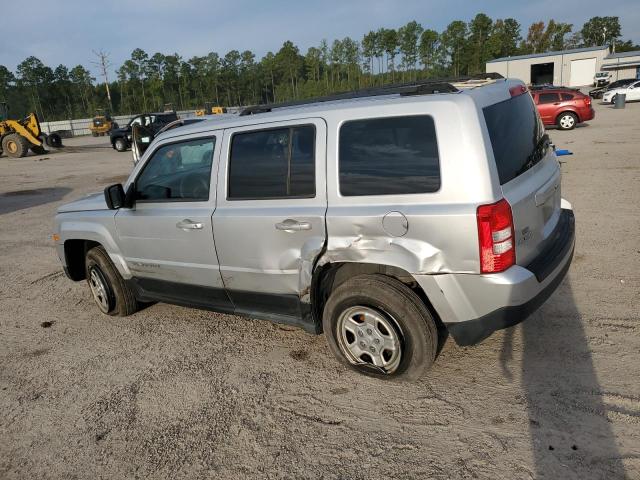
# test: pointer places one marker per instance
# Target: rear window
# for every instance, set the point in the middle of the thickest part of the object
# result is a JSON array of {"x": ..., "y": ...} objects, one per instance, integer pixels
[
  {"x": 389, "y": 156},
  {"x": 566, "y": 96},
  {"x": 516, "y": 135}
]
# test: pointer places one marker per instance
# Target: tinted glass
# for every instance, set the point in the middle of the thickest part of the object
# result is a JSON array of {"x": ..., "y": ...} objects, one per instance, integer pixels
[
  {"x": 387, "y": 156},
  {"x": 180, "y": 171},
  {"x": 515, "y": 131},
  {"x": 567, "y": 96},
  {"x": 548, "y": 98},
  {"x": 276, "y": 163}
]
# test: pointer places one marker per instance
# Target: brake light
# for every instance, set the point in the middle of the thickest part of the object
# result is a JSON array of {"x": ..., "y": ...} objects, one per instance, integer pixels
[
  {"x": 496, "y": 237},
  {"x": 517, "y": 90},
  {"x": 587, "y": 100}
]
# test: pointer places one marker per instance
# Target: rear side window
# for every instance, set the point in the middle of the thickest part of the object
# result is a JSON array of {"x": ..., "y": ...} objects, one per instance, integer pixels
[
  {"x": 516, "y": 135},
  {"x": 275, "y": 163},
  {"x": 547, "y": 98},
  {"x": 389, "y": 156},
  {"x": 567, "y": 96}
]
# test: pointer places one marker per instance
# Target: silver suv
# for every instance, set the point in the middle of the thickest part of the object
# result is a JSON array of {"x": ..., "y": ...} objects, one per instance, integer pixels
[{"x": 385, "y": 218}]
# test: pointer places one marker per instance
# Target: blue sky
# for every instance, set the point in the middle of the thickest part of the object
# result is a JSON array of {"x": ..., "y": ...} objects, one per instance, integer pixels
[{"x": 67, "y": 31}]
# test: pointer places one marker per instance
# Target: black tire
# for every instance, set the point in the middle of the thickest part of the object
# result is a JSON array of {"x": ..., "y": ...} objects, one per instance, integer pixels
[
  {"x": 120, "y": 298},
  {"x": 15, "y": 145},
  {"x": 38, "y": 149},
  {"x": 416, "y": 328},
  {"x": 54, "y": 140},
  {"x": 120, "y": 144},
  {"x": 94, "y": 134},
  {"x": 567, "y": 121}
]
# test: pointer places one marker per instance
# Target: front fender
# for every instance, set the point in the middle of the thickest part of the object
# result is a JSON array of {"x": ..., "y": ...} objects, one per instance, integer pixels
[{"x": 97, "y": 227}]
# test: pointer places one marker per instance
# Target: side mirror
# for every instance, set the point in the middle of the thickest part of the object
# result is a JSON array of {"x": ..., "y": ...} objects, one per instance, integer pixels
[{"x": 114, "y": 196}]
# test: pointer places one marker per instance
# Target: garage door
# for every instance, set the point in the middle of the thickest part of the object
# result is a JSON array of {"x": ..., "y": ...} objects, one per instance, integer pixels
[{"x": 582, "y": 72}]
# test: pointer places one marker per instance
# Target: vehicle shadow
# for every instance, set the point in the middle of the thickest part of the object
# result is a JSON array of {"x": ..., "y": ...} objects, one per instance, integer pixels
[
  {"x": 570, "y": 431},
  {"x": 21, "y": 199}
]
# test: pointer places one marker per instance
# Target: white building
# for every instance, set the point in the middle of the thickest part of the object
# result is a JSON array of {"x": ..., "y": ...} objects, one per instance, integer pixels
[
  {"x": 622, "y": 65},
  {"x": 572, "y": 68}
]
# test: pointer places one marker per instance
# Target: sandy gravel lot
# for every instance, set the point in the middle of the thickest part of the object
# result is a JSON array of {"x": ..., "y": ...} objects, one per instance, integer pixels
[{"x": 178, "y": 393}]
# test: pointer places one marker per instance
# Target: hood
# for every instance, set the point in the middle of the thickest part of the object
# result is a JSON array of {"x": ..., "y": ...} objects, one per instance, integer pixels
[{"x": 94, "y": 201}]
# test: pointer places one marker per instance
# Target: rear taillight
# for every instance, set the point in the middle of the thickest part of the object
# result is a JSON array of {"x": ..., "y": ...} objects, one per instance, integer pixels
[
  {"x": 496, "y": 237},
  {"x": 587, "y": 101},
  {"x": 517, "y": 90}
]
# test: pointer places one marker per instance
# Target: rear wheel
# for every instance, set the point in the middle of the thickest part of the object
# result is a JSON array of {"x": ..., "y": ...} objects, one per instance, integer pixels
[
  {"x": 567, "y": 121},
  {"x": 54, "y": 140},
  {"x": 120, "y": 144},
  {"x": 110, "y": 292},
  {"x": 380, "y": 327},
  {"x": 15, "y": 145}
]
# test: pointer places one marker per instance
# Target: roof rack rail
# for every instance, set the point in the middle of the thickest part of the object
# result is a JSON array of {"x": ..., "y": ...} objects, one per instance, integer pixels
[{"x": 419, "y": 87}]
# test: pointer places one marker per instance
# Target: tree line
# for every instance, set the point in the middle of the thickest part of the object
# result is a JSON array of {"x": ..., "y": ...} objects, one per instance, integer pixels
[{"x": 147, "y": 82}]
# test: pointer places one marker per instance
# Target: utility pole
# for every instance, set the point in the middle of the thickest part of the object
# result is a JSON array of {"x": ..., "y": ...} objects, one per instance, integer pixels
[{"x": 103, "y": 64}]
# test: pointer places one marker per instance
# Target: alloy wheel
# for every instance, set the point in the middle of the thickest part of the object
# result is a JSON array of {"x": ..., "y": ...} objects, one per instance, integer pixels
[{"x": 367, "y": 336}]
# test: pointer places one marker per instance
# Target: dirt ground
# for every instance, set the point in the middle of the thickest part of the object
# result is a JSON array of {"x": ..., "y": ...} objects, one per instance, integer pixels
[{"x": 178, "y": 393}]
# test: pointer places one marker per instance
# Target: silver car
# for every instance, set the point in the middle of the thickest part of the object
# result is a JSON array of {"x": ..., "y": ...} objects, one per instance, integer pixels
[{"x": 384, "y": 218}]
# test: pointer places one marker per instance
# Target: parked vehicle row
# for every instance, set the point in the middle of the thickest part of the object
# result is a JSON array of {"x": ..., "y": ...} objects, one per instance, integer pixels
[
  {"x": 384, "y": 219},
  {"x": 599, "y": 92},
  {"x": 630, "y": 90}
]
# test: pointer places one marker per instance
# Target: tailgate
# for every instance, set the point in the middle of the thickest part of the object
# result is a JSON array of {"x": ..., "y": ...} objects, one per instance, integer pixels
[
  {"x": 535, "y": 204},
  {"x": 528, "y": 172}
]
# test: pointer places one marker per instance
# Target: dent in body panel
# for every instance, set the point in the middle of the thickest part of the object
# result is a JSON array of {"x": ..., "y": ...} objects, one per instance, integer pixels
[{"x": 369, "y": 243}]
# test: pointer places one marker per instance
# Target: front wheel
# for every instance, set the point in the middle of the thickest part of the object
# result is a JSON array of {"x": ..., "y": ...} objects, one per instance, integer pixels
[
  {"x": 380, "y": 327},
  {"x": 120, "y": 144},
  {"x": 567, "y": 121},
  {"x": 110, "y": 292}
]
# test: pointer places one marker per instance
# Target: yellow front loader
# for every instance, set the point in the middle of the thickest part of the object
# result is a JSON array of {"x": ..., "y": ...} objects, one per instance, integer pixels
[{"x": 18, "y": 136}]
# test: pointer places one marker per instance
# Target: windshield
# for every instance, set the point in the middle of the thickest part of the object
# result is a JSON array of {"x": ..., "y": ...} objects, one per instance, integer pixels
[
  {"x": 517, "y": 136},
  {"x": 601, "y": 74}
]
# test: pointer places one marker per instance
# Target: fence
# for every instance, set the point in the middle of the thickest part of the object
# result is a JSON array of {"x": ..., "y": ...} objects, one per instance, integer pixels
[{"x": 80, "y": 126}]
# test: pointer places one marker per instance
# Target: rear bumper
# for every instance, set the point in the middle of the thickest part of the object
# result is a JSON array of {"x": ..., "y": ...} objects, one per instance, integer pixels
[
  {"x": 474, "y": 306},
  {"x": 588, "y": 115}
]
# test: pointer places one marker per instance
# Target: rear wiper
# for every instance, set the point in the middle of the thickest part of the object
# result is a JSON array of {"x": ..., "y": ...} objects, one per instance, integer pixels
[{"x": 538, "y": 154}]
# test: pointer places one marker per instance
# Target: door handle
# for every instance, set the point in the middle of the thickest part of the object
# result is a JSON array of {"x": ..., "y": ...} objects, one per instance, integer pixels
[
  {"x": 187, "y": 224},
  {"x": 290, "y": 225}
]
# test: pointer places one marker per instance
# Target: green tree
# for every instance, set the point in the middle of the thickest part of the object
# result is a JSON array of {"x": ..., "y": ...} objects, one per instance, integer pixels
[
  {"x": 479, "y": 31},
  {"x": 429, "y": 49},
  {"x": 389, "y": 42},
  {"x": 408, "y": 41},
  {"x": 504, "y": 38},
  {"x": 452, "y": 42},
  {"x": 601, "y": 31}
]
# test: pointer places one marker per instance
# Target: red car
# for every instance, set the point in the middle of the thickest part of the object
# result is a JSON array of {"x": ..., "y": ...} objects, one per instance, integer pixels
[{"x": 563, "y": 107}]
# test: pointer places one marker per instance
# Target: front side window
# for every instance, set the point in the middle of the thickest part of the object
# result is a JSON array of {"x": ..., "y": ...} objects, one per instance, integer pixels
[
  {"x": 274, "y": 163},
  {"x": 389, "y": 156},
  {"x": 178, "y": 172}
]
